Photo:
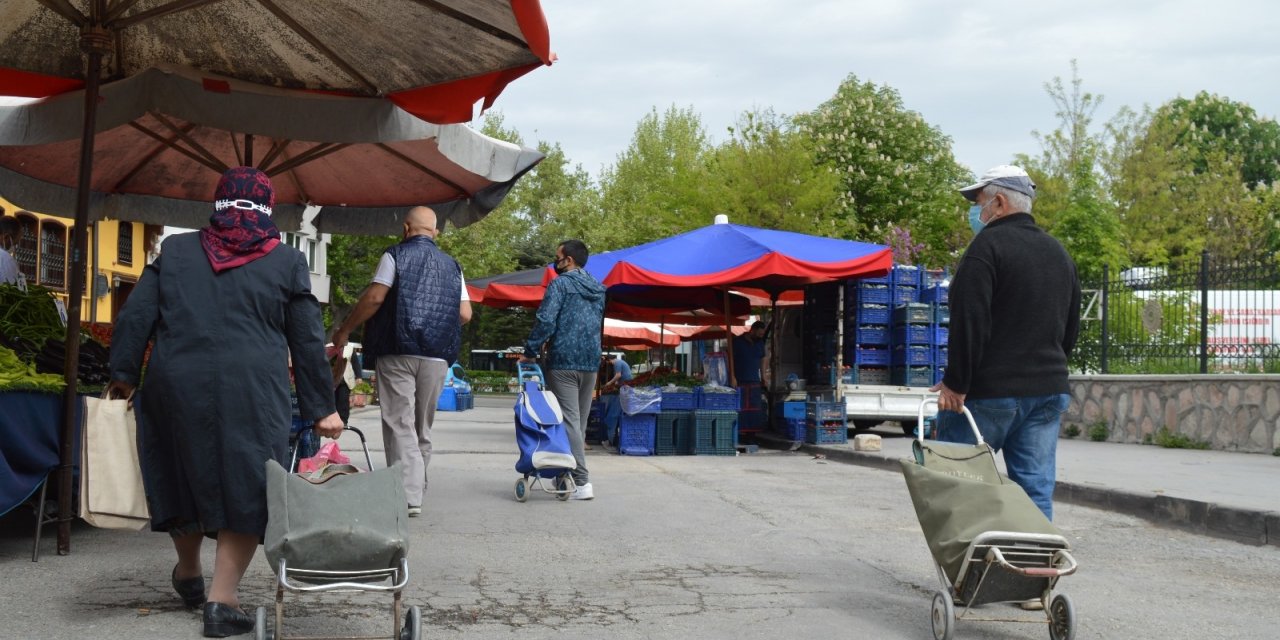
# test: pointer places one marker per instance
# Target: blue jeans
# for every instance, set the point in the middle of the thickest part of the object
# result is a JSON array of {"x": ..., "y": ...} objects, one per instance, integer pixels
[{"x": 1026, "y": 429}]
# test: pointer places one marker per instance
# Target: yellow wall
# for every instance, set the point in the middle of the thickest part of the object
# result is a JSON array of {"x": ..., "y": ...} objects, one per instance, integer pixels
[{"x": 107, "y": 265}]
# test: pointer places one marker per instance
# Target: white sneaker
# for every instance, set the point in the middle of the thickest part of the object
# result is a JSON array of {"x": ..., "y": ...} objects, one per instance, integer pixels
[
  {"x": 583, "y": 492},
  {"x": 1032, "y": 605},
  {"x": 414, "y": 511}
]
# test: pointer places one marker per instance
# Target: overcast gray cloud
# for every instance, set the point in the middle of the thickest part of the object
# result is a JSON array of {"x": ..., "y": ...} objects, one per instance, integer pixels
[{"x": 975, "y": 69}]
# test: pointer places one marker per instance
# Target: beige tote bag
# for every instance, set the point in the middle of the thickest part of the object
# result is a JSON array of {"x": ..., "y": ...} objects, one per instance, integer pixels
[{"x": 111, "y": 493}]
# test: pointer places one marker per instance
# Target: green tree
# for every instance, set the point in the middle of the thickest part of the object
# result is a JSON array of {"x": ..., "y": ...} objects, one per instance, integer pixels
[
  {"x": 893, "y": 167},
  {"x": 1179, "y": 194},
  {"x": 1070, "y": 201},
  {"x": 766, "y": 175},
  {"x": 657, "y": 186}
]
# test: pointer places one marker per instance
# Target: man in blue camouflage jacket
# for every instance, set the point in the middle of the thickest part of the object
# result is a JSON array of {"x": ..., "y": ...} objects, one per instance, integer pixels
[{"x": 569, "y": 322}]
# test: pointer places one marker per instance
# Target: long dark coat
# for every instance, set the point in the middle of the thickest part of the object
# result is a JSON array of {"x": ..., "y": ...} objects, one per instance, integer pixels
[{"x": 215, "y": 395}]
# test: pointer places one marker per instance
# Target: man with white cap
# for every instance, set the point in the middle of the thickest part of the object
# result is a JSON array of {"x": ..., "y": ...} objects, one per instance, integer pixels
[{"x": 1015, "y": 315}]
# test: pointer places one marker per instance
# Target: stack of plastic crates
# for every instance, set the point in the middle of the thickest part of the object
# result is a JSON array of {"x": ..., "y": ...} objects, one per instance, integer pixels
[
  {"x": 715, "y": 432},
  {"x": 791, "y": 424},
  {"x": 913, "y": 345},
  {"x": 939, "y": 296},
  {"x": 866, "y": 354},
  {"x": 825, "y": 423}
]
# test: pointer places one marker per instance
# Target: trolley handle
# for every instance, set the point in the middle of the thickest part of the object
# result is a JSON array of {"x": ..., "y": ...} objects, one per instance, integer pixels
[
  {"x": 994, "y": 555},
  {"x": 934, "y": 401},
  {"x": 529, "y": 371}
]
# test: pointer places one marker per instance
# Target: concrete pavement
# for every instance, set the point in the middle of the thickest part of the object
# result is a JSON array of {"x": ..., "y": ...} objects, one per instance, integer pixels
[
  {"x": 775, "y": 544},
  {"x": 1218, "y": 493}
]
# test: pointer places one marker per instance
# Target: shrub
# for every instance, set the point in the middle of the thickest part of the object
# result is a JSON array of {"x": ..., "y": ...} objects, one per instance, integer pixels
[
  {"x": 1170, "y": 440},
  {"x": 1098, "y": 432},
  {"x": 1071, "y": 431}
]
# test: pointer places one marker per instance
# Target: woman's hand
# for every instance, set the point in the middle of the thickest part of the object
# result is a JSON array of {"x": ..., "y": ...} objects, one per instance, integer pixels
[{"x": 118, "y": 389}]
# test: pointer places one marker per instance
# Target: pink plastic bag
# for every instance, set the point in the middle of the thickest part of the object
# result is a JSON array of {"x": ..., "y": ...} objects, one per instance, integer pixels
[{"x": 329, "y": 453}]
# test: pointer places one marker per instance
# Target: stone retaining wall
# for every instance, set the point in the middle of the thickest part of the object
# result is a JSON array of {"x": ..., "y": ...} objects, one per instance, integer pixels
[{"x": 1230, "y": 412}]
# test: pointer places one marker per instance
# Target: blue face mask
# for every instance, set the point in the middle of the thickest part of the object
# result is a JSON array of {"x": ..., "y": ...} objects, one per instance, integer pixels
[{"x": 975, "y": 219}]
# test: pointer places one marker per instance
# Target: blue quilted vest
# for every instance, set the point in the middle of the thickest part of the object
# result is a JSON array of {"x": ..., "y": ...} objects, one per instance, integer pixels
[{"x": 419, "y": 316}]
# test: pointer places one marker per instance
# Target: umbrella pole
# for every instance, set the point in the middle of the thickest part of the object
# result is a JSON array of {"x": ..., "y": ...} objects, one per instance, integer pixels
[
  {"x": 775, "y": 360},
  {"x": 95, "y": 43},
  {"x": 728, "y": 340}
]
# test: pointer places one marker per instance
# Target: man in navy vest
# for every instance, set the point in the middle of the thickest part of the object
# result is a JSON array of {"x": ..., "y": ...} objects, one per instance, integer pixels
[{"x": 416, "y": 306}]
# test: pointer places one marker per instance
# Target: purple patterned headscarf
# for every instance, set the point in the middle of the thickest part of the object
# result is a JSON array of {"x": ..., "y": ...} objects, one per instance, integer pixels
[{"x": 240, "y": 229}]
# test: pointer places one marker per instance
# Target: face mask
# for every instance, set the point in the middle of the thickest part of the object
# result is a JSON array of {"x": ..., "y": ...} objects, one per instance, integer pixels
[
  {"x": 975, "y": 217},
  {"x": 559, "y": 267}
]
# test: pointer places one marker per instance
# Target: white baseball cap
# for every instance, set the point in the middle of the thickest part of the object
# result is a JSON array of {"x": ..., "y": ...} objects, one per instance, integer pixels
[{"x": 1005, "y": 175}]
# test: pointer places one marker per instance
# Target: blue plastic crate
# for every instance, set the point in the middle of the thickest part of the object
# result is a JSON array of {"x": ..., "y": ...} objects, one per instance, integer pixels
[
  {"x": 905, "y": 295},
  {"x": 913, "y": 334},
  {"x": 793, "y": 429},
  {"x": 913, "y": 376},
  {"x": 716, "y": 433},
  {"x": 887, "y": 278},
  {"x": 673, "y": 433},
  {"x": 678, "y": 401},
  {"x": 906, "y": 275},
  {"x": 915, "y": 313},
  {"x": 824, "y": 433},
  {"x": 872, "y": 334},
  {"x": 636, "y": 434},
  {"x": 871, "y": 314},
  {"x": 942, "y": 314},
  {"x": 448, "y": 400},
  {"x": 935, "y": 293},
  {"x": 906, "y": 355},
  {"x": 824, "y": 411},
  {"x": 873, "y": 375},
  {"x": 940, "y": 335},
  {"x": 938, "y": 373},
  {"x": 878, "y": 357},
  {"x": 931, "y": 277},
  {"x": 793, "y": 409},
  {"x": 873, "y": 294},
  {"x": 716, "y": 401},
  {"x": 940, "y": 356}
]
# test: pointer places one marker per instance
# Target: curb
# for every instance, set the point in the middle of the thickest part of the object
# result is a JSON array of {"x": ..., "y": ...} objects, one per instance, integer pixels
[{"x": 1248, "y": 526}]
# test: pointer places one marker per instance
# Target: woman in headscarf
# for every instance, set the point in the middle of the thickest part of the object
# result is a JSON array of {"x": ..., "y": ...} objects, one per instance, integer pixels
[{"x": 226, "y": 307}]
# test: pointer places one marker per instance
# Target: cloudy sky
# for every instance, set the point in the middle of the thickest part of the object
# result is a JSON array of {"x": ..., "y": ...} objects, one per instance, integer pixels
[{"x": 975, "y": 69}]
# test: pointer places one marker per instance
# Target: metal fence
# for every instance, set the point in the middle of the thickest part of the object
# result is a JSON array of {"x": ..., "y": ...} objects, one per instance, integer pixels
[{"x": 1217, "y": 318}]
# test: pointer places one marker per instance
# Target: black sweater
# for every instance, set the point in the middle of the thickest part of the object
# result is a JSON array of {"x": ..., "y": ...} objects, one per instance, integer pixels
[{"x": 1015, "y": 313}]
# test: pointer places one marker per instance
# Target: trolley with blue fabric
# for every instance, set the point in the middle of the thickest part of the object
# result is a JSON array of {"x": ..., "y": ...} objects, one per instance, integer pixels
[{"x": 542, "y": 439}]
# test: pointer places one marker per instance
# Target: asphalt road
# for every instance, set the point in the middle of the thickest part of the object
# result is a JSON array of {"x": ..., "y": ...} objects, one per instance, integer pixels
[{"x": 771, "y": 545}]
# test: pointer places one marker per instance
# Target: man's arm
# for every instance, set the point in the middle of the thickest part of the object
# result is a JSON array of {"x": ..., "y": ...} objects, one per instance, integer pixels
[
  {"x": 545, "y": 323},
  {"x": 464, "y": 311},
  {"x": 369, "y": 302}
]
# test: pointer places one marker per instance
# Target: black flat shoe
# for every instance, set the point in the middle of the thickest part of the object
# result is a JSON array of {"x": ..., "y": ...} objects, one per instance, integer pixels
[
  {"x": 221, "y": 621},
  {"x": 190, "y": 590}
]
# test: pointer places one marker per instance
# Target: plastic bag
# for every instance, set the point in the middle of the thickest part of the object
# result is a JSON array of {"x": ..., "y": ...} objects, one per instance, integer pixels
[
  {"x": 716, "y": 369},
  {"x": 637, "y": 400},
  {"x": 329, "y": 453}
]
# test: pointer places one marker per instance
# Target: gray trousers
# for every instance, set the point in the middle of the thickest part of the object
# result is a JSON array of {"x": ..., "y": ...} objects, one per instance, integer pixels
[
  {"x": 408, "y": 390},
  {"x": 572, "y": 390}
]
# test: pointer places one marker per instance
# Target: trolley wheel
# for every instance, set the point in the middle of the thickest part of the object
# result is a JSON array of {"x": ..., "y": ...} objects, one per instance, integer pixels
[
  {"x": 522, "y": 490},
  {"x": 564, "y": 487},
  {"x": 1062, "y": 618},
  {"x": 412, "y": 629},
  {"x": 944, "y": 616},
  {"x": 260, "y": 625}
]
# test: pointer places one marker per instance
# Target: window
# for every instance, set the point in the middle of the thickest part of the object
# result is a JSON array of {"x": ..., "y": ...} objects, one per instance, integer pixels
[
  {"x": 53, "y": 255},
  {"x": 311, "y": 256},
  {"x": 124, "y": 243},
  {"x": 28, "y": 249}
]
